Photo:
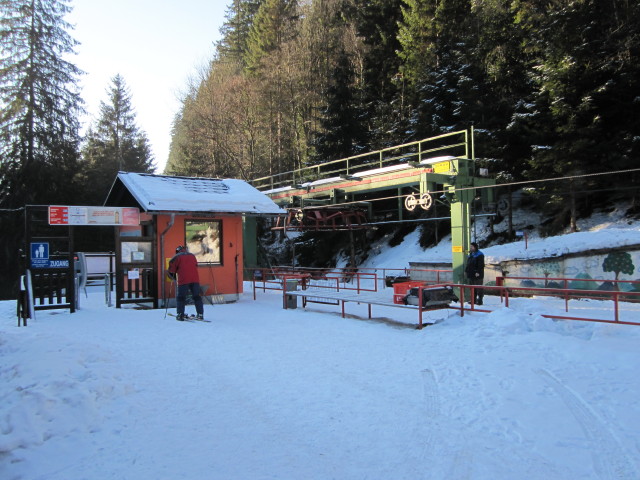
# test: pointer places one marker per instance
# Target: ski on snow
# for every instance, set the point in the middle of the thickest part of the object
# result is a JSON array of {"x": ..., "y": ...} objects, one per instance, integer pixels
[{"x": 189, "y": 318}]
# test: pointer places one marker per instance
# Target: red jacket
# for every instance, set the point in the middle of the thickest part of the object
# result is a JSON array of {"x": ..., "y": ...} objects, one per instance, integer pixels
[{"x": 185, "y": 265}]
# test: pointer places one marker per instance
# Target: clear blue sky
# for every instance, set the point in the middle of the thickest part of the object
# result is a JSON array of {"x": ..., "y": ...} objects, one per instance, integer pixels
[{"x": 156, "y": 45}]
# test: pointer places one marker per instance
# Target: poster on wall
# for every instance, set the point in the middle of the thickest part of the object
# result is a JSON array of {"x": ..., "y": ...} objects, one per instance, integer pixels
[
  {"x": 135, "y": 252},
  {"x": 204, "y": 240}
]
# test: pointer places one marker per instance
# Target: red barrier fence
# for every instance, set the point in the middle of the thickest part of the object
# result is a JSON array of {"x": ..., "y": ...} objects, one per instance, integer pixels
[
  {"x": 626, "y": 292},
  {"x": 386, "y": 276},
  {"x": 563, "y": 283},
  {"x": 271, "y": 279},
  {"x": 507, "y": 292}
]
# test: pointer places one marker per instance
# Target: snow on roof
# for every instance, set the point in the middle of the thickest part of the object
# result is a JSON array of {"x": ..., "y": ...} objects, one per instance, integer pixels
[{"x": 162, "y": 193}]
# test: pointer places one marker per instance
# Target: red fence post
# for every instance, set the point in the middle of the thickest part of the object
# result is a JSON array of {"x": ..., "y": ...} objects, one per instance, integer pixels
[
  {"x": 284, "y": 292},
  {"x": 419, "y": 307}
]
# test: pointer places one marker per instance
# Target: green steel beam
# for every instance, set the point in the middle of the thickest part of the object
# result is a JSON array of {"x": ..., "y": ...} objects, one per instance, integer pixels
[{"x": 250, "y": 245}]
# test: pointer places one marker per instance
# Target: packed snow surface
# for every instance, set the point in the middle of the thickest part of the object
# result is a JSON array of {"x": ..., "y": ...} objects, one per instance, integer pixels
[
  {"x": 267, "y": 393},
  {"x": 262, "y": 392}
]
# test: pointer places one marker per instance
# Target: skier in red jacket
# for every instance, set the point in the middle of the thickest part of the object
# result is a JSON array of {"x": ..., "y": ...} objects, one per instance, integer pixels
[{"x": 184, "y": 266}]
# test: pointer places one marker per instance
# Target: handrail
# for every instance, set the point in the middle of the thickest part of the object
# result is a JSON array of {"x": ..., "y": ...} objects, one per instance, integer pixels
[
  {"x": 506, "y": 292},
  {"x": 278, "y": 282},
  {"x": 268, "y": 279},
  {"x": 441, "y": 275},
  {"x": 565, "y": 280}
]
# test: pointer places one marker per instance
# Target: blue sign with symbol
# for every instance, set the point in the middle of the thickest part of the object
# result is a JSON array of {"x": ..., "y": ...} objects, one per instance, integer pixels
[{"x": 40, "y": 255}]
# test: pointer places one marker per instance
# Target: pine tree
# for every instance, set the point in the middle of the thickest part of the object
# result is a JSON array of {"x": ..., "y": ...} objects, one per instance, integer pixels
[
  {"x": 38, "y": 121},
  {"x": 438, "y": 42},
  {"x": 235, "y": 30},
  {"x": 343, "y": 135},
  {"x": 584, "y": 107},
  {"x": 270, "y": 29},
  {"x": 41, "y": 105},
  {"x": 418, "y": 39},
  {"x": 376, "y": 23},
  {"x": 504, "y": 55},
  {"x": 115, "y": 143}
]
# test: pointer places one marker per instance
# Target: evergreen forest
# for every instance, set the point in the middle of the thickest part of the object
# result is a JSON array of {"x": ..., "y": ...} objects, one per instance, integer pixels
[{"x": 552, "y": 88}]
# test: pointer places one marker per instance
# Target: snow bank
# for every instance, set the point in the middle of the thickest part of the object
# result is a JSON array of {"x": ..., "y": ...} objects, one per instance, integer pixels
[{"x": 52, "y": 387}]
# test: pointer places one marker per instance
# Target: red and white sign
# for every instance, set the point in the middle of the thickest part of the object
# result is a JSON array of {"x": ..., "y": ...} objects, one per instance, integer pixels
[
  {"x": 74, "y": 215},
  {"x": 58, "y": 215}
]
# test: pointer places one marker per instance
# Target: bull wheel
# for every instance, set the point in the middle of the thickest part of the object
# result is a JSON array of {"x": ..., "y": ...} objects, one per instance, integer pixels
[
  {"x": 426, "y": 200},
  {"x": 410, "y": 202}
]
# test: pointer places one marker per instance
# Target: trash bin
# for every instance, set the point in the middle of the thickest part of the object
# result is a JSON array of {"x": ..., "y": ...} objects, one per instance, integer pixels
[{"x": 292, "y": 300}]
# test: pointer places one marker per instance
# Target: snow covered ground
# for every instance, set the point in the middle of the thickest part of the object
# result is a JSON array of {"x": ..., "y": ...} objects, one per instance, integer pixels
[
  {"x": 263, "y": 393},
  {"x": 266, "y": 393}
]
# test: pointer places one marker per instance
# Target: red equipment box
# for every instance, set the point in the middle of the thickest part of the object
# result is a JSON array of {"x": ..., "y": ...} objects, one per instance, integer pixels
[{"x": 400, "y": 289}]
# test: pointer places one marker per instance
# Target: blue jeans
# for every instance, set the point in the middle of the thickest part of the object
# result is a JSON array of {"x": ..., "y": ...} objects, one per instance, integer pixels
[{"x": 181, "y": 297}]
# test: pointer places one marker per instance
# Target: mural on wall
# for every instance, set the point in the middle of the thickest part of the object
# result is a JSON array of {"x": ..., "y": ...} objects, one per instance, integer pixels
[
  {"x": 204, "y": 240},
  {"x": 549, "y": 269},
  {"x": 589, "y": 272},
  {"x": 618, "y": 262}
]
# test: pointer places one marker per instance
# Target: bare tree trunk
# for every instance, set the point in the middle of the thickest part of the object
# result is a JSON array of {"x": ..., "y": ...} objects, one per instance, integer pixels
[
  {"x": 573, "y": 220},
  {"x": 510, "y": 213}
]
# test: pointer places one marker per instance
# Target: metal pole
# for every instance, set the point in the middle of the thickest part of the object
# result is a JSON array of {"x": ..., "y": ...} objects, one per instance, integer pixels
[
  {"x": 419, "y": 307},
  {"x": 473, "y": 148}
]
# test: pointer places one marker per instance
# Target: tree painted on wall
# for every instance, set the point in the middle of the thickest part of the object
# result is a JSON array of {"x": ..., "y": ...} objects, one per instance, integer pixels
[
  {"x": 618, "y": 262},
  {"x": 549, "y": 269}
]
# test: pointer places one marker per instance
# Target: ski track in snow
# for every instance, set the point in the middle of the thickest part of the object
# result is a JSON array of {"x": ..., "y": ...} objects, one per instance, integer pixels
[
  {"x": 441, "y": 443},
  {"x": 462, "y": 445},
  {"x": 609, "y": 458}
]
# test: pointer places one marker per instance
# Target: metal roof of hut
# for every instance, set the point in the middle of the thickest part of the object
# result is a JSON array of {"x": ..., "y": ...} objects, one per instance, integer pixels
[{"x": 175, "y": 194}]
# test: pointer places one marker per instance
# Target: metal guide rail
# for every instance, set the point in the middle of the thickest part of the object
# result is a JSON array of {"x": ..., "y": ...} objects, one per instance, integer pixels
[
  {"x": 606, "y": 306},
  {"x": 623, "y": 305},
  {"x": 369, "y": 298},
  {"x": 344, "y": 297}
]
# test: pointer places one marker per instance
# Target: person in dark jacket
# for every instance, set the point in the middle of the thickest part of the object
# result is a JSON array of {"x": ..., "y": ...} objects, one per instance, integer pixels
[
  {"x": 475, "y": 271},
  {"x": 184, "y": 266}
]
